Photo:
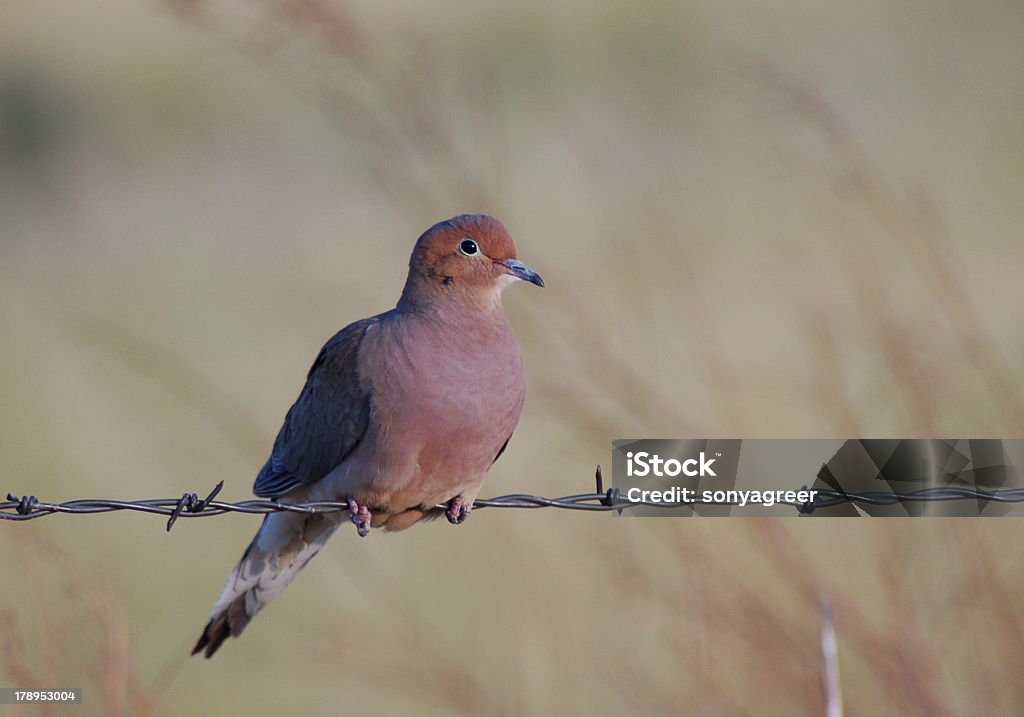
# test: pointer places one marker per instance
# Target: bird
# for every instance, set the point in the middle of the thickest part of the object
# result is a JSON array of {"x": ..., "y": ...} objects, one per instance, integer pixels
[{"x": 401, "y": 416}]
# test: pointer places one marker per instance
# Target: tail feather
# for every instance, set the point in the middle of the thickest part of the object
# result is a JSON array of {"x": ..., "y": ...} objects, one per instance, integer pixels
[{"x": 285, "y": 543}]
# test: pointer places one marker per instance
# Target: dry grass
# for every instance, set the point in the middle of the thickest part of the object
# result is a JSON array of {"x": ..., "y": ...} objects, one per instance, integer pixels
[{"x": 728, "y": 251}]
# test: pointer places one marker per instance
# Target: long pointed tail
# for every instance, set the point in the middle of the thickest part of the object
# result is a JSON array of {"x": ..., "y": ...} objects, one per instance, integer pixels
[{"x": 282, "y": 547}]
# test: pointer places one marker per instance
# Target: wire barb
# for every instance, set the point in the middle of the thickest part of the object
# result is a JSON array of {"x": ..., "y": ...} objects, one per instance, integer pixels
[
  {"x": 190, "y": 502},
  {"x": 23, "y": 506}
]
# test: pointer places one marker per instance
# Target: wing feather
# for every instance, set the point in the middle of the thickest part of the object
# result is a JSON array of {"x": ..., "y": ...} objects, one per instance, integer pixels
[{"x": 326, "y": 422}]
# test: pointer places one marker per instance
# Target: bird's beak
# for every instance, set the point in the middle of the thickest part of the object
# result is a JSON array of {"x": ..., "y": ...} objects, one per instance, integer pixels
[{"x": 521, "y": 271}]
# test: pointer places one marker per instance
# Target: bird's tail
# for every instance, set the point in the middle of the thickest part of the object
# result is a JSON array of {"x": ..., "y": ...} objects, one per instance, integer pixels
[{"x": 282, "y": 547}]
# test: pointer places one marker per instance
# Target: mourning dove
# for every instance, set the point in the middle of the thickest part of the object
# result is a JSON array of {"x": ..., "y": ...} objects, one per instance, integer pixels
[{"x": 401, "y": 413}]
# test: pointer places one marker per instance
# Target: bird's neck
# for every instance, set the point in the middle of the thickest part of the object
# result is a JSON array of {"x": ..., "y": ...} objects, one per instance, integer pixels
[{"x": 452, "y": 302}]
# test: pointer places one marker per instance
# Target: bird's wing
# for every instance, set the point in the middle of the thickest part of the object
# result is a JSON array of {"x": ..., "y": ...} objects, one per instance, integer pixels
[
  {"x": 326, "y": 422},
  {"x": 502, "y": 449}
]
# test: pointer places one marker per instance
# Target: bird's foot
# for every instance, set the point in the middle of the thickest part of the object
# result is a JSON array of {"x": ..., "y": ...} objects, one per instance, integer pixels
[
  {"x": 458, "y": 510},
  {"x": 360, "y": 516}
]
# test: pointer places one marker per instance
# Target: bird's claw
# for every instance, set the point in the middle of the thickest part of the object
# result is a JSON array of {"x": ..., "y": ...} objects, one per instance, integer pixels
[
  {"x": 458, "y": 510},
  {"x": 360, "y": 516}
]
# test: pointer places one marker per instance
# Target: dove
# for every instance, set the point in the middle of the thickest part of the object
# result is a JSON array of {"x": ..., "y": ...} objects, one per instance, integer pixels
[{"x": 401, "y": 416}]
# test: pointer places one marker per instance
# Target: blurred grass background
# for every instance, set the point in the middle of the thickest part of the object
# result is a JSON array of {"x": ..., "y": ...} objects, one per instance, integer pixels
[{"x": 800, "y": 219}]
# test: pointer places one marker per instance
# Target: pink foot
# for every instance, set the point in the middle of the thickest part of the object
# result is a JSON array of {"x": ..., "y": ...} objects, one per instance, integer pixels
[
  {"x": 458, "y": 510},
  {"x": 360, "y": 516}
]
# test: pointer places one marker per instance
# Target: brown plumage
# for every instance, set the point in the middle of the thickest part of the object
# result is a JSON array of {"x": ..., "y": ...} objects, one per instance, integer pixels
[{"x": 400, "y": 413}]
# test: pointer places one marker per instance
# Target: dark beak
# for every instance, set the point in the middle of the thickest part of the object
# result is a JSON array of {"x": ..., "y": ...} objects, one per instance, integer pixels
[{"x": 521, "y": 271}]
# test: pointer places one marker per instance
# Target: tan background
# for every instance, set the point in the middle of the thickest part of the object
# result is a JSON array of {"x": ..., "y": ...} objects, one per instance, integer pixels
[{"x": 787, "y": 219}]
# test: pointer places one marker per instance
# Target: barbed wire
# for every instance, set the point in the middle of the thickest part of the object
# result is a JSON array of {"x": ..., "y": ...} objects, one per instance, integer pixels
[{"x": 190, "y": 505}]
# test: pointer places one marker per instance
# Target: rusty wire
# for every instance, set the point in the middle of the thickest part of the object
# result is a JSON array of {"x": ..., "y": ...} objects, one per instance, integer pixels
[{"x": 192, "y": 506}]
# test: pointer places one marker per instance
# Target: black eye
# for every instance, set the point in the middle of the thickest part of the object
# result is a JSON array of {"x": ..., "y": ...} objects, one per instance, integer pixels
[{"x": 468, "y": 247}]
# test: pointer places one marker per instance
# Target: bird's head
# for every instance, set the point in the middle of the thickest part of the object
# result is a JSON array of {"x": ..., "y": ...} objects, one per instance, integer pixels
[{"x": 471, "y": 257}]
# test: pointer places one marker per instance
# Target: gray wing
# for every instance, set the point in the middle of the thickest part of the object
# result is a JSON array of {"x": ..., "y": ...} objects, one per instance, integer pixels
[{"x": 326, "y": 422}]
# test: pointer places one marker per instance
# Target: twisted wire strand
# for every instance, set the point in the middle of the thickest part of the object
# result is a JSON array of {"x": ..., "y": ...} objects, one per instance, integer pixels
[{"x": 192, "y": 506}]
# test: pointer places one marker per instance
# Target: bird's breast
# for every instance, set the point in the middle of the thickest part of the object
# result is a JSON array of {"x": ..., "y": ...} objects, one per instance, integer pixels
[{"x": 446, "y": 397}]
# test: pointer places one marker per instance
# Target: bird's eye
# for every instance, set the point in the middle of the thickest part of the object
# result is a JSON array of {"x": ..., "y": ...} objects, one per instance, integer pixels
[{"x": 469, "y": 247}]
